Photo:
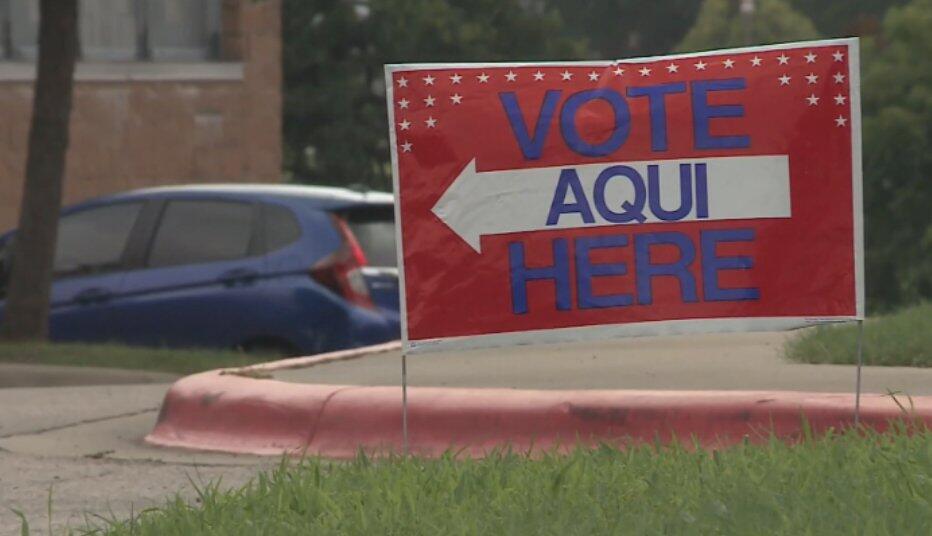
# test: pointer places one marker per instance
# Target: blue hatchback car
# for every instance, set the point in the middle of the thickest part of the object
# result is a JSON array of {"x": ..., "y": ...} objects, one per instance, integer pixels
[{"x": 274, "y": 268}]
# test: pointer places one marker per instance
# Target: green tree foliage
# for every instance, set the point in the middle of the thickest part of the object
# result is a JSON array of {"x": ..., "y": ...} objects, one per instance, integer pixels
[
  {"x": 897, "y": 107},
  {"x": 839, "y": 18},
  {"x": 335, "y": 124},
  {"x": 628, "y": 28},
  {"x": 721, "y": 24}
]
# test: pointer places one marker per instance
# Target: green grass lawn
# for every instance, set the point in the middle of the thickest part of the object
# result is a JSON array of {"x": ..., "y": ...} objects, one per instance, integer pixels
[
  {"x": 843, "y": 484},
  {"x": 903, "y": 338},
  {"x": 125, "y": 357}
]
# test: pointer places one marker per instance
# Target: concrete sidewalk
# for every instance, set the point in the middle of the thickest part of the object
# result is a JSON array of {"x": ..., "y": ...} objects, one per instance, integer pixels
[{"x": 733, "y": 361}]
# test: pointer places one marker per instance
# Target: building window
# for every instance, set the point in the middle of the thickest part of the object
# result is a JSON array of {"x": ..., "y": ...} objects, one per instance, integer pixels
[
  {"x": 122, "y": 30},
  {"x": 107, "y": 30},
  {"x": 21, "y": 28},
  {"x": 183, "y": 30}
]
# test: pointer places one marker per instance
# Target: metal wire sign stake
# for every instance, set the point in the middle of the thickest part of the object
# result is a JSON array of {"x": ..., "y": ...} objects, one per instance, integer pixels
[
  {"x": 404, "y": 402},
  {"x": 857, "y": 389}
]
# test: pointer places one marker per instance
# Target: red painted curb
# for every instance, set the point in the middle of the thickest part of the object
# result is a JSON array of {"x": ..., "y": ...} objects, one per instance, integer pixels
[{"x": 229, "y": 413}]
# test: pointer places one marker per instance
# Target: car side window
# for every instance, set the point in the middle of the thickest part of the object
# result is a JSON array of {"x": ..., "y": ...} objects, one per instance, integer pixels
[
  {"x": 194, "y": 232},
  {"x": 94, "y": 240},
  {"x": 281, "y": 227}
]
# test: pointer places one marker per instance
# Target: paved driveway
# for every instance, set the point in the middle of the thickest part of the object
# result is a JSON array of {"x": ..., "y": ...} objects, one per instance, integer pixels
[{"x": 84, "y": 445}]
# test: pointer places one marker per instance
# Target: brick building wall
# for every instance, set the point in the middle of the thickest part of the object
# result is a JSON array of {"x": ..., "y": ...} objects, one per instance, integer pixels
[{"x": 138, "y": 124}]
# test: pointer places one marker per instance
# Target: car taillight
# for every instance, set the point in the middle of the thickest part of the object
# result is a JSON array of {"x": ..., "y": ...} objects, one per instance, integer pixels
[{"x": 341, "y": 272}]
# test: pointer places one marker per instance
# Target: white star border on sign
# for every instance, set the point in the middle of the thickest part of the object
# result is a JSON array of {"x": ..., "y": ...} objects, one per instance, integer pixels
[
  {"x": 710, "y": 64},
  {"x": 812, "y": 99}
]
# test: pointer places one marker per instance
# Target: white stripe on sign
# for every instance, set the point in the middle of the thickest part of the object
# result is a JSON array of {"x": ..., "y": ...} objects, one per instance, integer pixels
[{"x": 612, "y": 193}]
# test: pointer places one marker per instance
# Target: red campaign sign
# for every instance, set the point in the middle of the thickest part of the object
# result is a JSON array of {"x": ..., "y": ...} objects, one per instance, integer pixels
[{"x": 561, "y": 201}]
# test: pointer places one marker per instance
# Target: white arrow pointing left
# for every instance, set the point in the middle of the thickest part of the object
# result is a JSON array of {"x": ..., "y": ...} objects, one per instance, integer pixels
[{"x": 519, "y": 200}]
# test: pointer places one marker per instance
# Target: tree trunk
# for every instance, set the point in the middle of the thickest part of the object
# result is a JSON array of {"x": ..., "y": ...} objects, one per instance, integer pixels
[{"x": 27, "y": 305}]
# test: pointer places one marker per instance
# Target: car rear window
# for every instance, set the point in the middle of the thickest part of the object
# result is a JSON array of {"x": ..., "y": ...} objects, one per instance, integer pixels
[
  {"x": 193, "y": 232},
  {"x": 374, "y": 228}
]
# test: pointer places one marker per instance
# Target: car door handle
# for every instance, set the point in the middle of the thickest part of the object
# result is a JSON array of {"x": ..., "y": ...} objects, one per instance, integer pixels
[
  {"x": 238, "y": 276},
  {"x": 93, "y": 295}
]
